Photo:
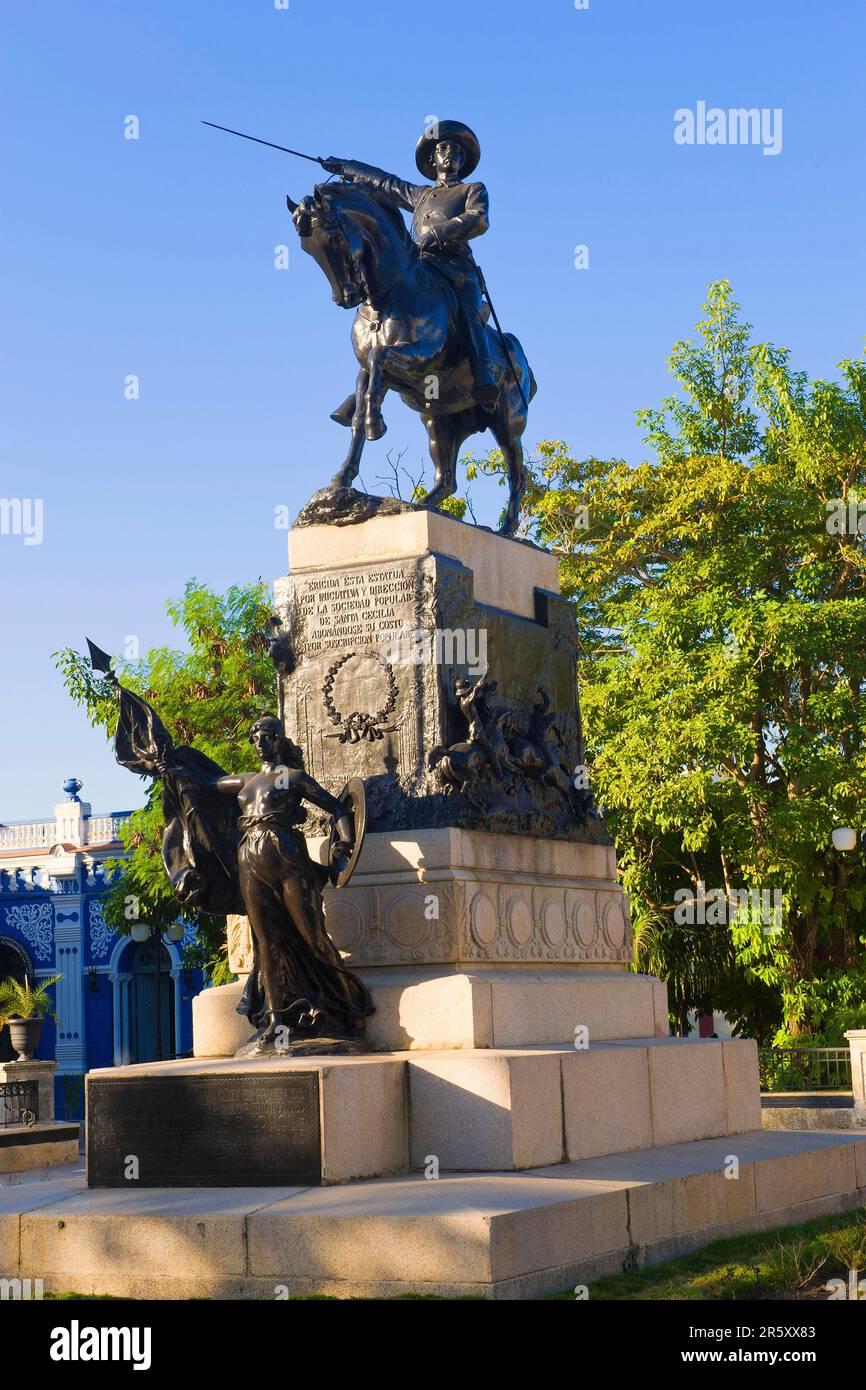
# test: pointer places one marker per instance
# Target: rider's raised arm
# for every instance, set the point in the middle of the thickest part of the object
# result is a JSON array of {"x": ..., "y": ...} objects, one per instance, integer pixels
[{"x": 404, "y": 193}]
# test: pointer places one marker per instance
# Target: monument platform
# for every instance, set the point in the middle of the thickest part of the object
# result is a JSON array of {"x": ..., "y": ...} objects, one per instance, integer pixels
[
  {"x": 497, "y": 1235},
  {"x": 326, "y": 1120},
  {"x": 523, "y": 1119}
]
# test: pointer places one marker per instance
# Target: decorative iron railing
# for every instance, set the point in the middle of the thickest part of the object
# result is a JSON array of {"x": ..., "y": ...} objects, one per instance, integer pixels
[
  {"x": 804, "y": 1068},
  {"x": 19, "y": 1103}
]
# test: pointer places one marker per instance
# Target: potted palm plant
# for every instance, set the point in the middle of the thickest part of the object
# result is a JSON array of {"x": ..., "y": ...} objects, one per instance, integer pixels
[{"x": 23, "y": 1008}]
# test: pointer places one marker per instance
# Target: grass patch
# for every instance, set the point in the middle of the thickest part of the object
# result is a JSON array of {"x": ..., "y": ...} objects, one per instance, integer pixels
[{"x": 789, "y": 1262}]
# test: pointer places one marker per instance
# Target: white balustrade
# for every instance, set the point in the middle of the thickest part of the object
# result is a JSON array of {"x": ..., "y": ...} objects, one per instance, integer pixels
[{"x": 41, "y": 834}]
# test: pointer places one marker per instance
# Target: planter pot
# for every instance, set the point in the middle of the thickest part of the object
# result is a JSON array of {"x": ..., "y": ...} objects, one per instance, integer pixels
[{"x": 24, "y": 1034}]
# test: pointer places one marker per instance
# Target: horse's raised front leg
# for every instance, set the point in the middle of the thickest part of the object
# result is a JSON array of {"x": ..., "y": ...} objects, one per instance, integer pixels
[
  {"x": 374, "y": 425},
  {"x": 352, "y": 462},
  {"x": 390, "y": 366}
]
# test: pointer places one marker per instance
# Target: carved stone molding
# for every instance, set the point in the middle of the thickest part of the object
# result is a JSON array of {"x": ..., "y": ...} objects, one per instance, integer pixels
[
  {"x": 476, "y": 900},
  {"x": 240, "y": 944},
  {"x": 463, "y": 898}
]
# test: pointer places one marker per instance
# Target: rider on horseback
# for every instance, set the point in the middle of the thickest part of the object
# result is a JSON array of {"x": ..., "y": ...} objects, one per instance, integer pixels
[{"x": 445, "y": 217}]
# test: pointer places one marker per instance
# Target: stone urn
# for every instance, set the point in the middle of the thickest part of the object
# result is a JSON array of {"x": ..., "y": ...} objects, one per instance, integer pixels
[{"x": 24, "y": 1034}]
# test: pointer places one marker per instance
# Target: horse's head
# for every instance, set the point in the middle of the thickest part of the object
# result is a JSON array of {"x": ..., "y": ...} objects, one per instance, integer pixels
[
  {"x": 348, "y": 231},
  {"x": 334, "y": 242}
]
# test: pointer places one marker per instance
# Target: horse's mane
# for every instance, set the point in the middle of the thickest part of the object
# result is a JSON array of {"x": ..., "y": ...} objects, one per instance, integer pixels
[{"x": 348, "y": 190}]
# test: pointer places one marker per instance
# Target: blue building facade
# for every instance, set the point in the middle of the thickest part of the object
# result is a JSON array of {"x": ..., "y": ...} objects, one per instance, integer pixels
[{"x": 120, "y": 1000}]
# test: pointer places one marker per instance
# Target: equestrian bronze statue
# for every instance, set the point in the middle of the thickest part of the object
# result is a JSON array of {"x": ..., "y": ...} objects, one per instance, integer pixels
[{"x": 421, "y": 327}]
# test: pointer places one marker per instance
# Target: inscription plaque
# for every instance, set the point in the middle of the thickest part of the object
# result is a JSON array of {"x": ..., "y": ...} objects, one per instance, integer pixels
[
  {"x": 241, "y": 1130},
  {"x": 351, "y": 608}
]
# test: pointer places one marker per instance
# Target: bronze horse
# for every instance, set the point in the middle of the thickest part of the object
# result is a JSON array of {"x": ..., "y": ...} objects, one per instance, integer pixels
[{"x": 407, "y": 338}]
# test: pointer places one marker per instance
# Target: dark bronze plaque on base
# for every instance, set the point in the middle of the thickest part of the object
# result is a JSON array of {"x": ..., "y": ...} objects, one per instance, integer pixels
[{"x": 238, "y": 1130}]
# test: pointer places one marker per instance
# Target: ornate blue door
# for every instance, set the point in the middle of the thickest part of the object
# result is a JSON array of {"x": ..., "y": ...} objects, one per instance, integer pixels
[{"x": 151, "y": 1031}]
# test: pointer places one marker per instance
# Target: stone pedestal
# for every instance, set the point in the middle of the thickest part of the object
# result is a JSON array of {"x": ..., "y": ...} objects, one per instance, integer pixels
[
  {"x": 470, "y": 939},
  {"x": 381, "y": 620},
  {"x": 523, "y": 1116},
  {"x": 40, "y": 1072},
  {"x": 46, "y": 1143},
  {"x": 523, "y": 1120},
  {"x": 497, "y": 954}
]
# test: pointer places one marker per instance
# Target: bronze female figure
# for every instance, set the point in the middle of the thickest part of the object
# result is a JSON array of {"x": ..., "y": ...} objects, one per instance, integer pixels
[
  {"x": 233, "y": 844},
  {"x": 303, "y": 986}
]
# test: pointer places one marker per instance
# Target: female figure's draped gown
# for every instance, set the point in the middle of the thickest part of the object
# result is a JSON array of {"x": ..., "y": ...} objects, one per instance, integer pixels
[
  {"x": 298, "y": 965},
  {"x": 232, "y": 844}
]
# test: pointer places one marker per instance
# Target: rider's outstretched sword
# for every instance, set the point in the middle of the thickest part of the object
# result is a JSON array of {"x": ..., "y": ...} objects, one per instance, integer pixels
[{"x": 315, "y": 159}]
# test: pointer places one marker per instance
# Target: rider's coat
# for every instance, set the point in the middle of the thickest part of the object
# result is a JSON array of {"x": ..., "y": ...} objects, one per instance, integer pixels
[{"x": 453, "y": 212}]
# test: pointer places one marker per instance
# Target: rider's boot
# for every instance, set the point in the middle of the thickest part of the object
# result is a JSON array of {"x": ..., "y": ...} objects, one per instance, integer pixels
[
  {"x": 485, "y": 389},
  {"x": 344, "y": 413}
]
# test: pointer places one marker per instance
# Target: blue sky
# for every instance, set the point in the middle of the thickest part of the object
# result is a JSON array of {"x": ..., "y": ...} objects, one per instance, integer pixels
[{"x": 155, "y": 257}]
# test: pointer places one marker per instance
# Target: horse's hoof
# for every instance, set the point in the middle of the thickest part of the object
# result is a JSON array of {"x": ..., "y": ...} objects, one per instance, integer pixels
[
  {"x": 375, "y": 428},
  {"x": 434, "y": 498}
]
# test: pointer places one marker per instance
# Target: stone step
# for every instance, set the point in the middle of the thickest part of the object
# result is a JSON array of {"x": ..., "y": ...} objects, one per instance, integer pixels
[
  {"x": 470, "y": 1109},
  {"x": 502, "y": 1235},
  {"x": 424, "y": 1008},
  {"x": 522, "y": 1108}
]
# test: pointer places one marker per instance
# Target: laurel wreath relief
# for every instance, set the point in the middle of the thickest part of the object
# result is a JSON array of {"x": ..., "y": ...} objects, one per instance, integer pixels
[{"x": 354, "y": 727}]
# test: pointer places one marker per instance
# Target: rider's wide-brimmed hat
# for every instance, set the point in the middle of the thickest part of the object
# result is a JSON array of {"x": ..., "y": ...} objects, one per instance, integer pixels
[{"x": 447, "y": 130}]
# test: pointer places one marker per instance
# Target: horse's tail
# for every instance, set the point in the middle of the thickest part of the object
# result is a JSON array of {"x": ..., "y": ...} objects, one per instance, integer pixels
[{"x": 523, "y": 367}]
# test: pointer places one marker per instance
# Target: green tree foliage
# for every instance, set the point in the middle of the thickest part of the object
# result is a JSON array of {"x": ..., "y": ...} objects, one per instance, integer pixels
[
  {"x": 207, "y": 695},
  {"x": 721, "y": 599}
]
